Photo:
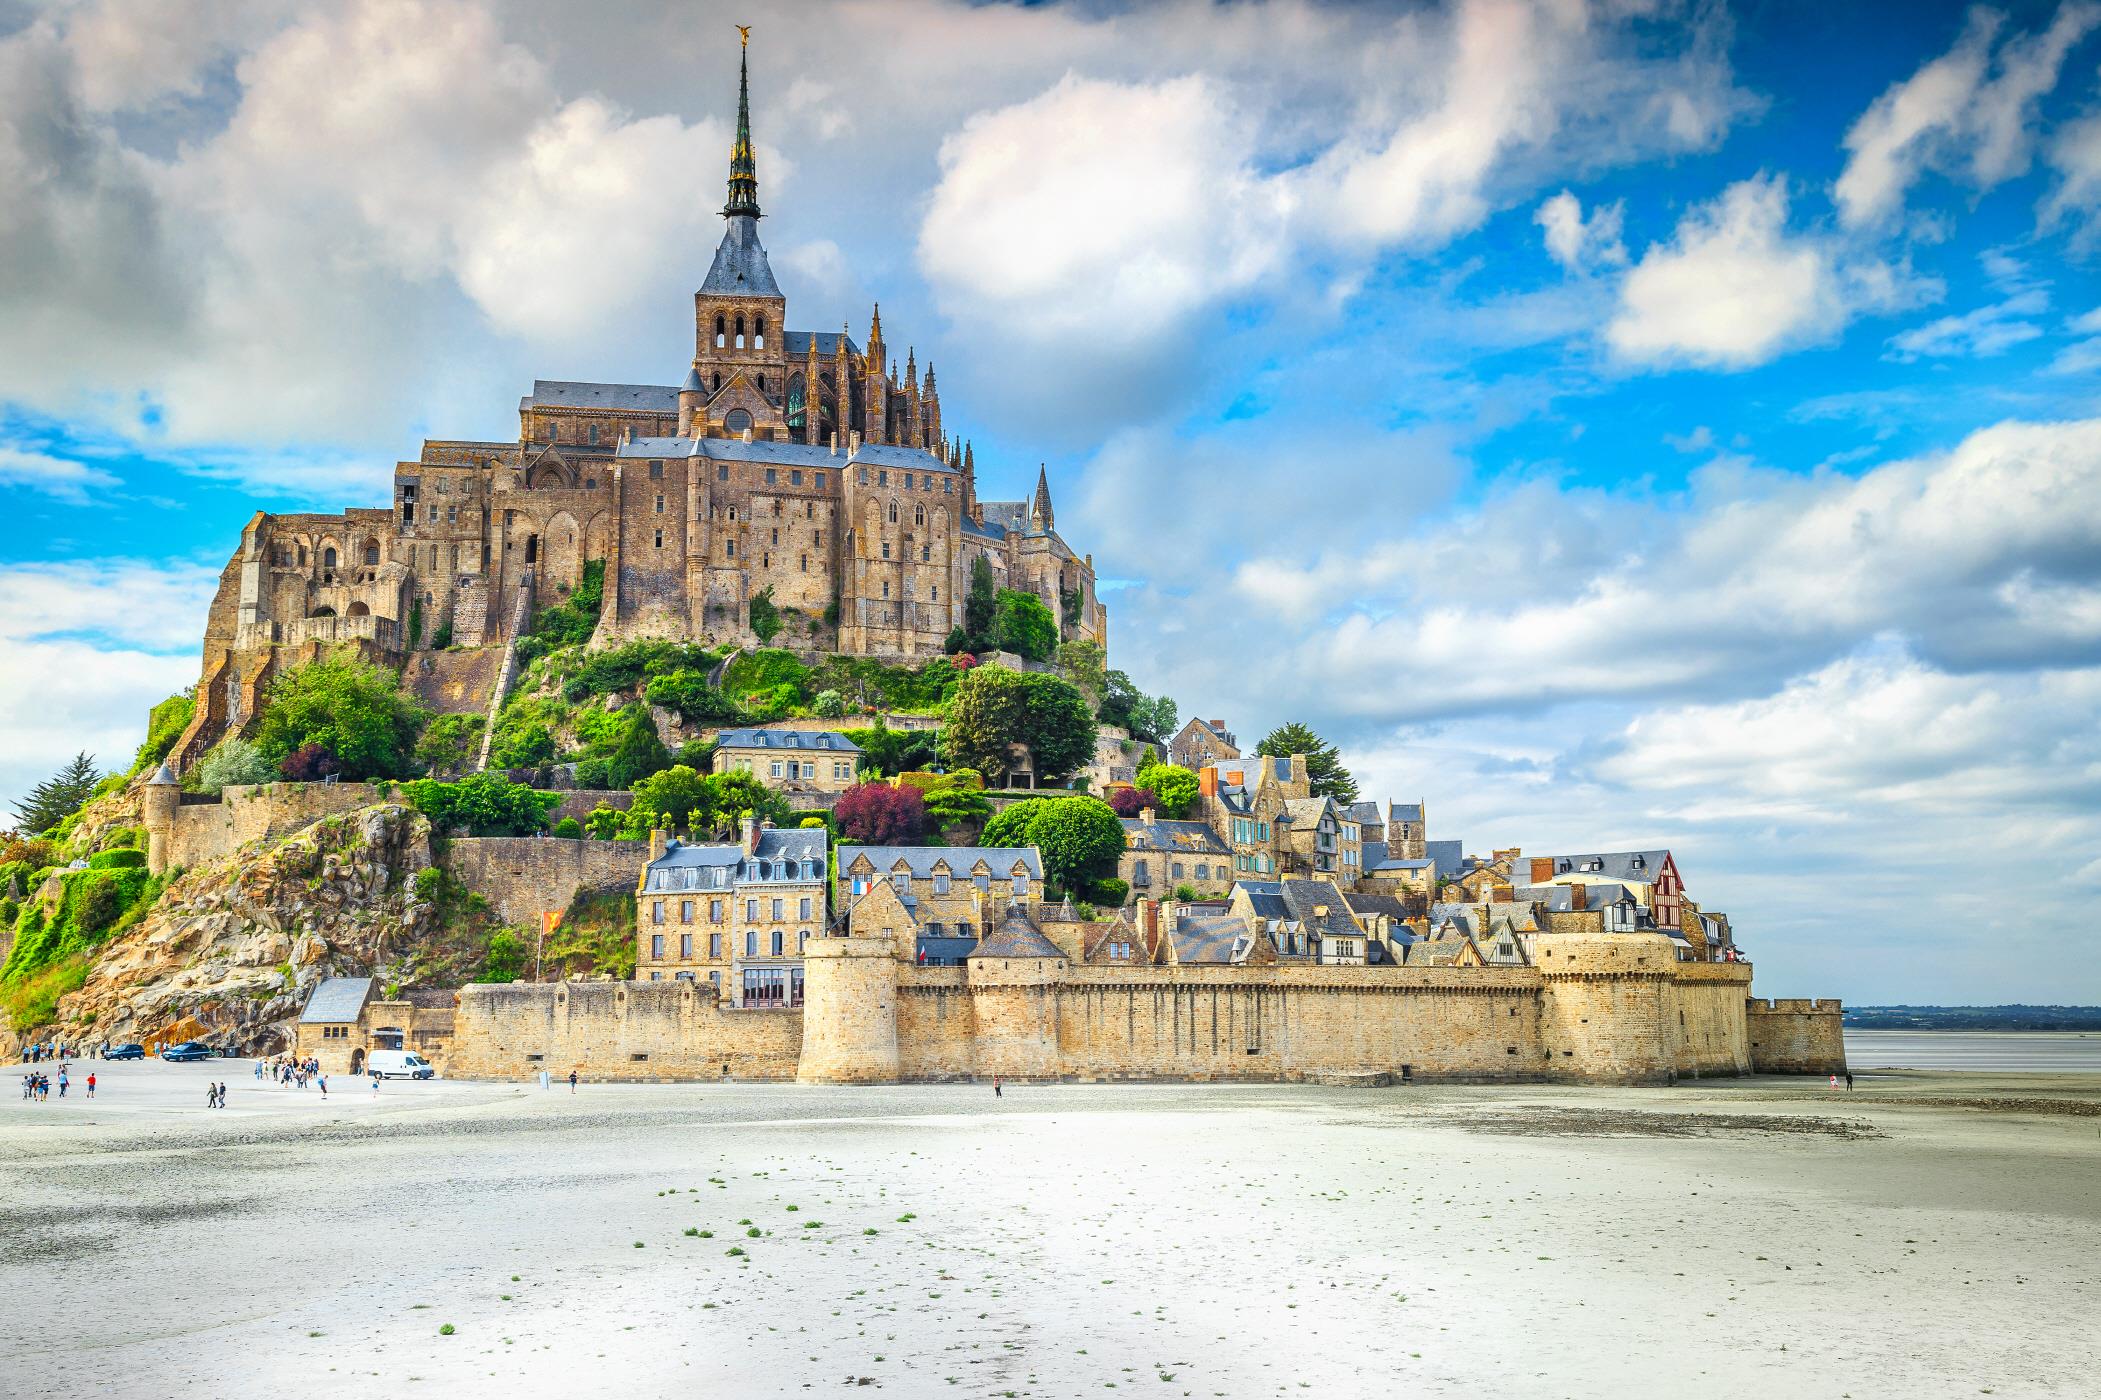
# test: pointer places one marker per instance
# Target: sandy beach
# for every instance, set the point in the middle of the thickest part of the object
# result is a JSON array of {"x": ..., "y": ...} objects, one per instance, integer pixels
[{"x": 1929, "y": 1234}]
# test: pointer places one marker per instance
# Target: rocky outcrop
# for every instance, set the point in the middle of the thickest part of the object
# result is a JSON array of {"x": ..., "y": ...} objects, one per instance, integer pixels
[{"x": 232, "y": 949}]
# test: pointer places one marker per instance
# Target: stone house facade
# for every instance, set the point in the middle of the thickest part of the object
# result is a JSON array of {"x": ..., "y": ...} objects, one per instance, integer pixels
[
  {"x": 1201, "y": 742},
  {"x": 952, "y": 892},
  {"x": 790, "y": 760},
  {"x": 735, "y": 917},
  {"x": 1160, "y": 857}
]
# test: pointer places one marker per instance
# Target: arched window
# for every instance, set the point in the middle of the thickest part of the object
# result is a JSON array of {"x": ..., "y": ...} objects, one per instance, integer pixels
[
  {"x": 719, "y": 336},
  {"x": 717, "y": 385},
  {"x": 736, "y": 422},
  {"x": 357, "y": 609},
  {"x": 758, "y": 335},
  {"x": 371, "y": 554},
  {"x": 740, "y": 332},
  {"x": 797, "y": 402},
  {"x": 893, "y": 512},
  {"x": 328, "y": 558},
  {"x": 591, "y": 435},
  {"x": 532, "y": 548},
  {"x": 919, "y": 515},
  {"x": 762, "y": 383}
]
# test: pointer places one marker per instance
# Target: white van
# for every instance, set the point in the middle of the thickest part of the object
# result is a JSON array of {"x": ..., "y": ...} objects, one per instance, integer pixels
[{"x": 399, "y": 1064}]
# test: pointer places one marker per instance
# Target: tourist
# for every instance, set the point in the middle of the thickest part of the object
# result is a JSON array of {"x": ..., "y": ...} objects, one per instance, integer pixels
[
  {"x": 324, "y": 1086},
  {"x": 375, "y": 1084},
  {"x": 1849, "y": 1081},
  {"x": 996, "y": 1087},
  {"x": 1834, "y": 1081},
  {"x": 572, "y": 1081},
  {"x": 211, "y": 1096},
  {"x": 91, "y": 1084}
]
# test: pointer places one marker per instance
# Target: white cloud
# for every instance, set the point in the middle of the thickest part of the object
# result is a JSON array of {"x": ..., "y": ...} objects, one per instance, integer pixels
[
  {"x": 2075, "y": 153},
  {"x": 1578, "y": 242},
  {"x": 1969, "y": 113},
  {"x": 1734, "y": 287},
  {"x": 51, "y": 476},
  {"x": 1986, "y": 331}
]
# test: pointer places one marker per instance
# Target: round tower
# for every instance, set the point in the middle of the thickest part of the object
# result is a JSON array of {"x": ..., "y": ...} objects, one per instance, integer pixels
[
  {"x": 162, "y": 797},
  {"x": 692, "y": 395},
  {"x": 1603, "y": 1002},
  {"x": 849, "y": 1011},
  {"x": 1015, "y": 977}
]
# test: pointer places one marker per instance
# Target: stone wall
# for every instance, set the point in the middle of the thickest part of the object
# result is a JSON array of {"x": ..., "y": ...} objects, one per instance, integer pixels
[
  {"x": 524, "y": 877},
  {"x": 207, "y": 831},
  {"x": 617, "y": 1030},
  {"x": 1796, "y": 1036}
]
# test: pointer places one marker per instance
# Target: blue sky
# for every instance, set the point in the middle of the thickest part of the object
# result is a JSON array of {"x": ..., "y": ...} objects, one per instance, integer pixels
[{"x": 1618, "y": 424}]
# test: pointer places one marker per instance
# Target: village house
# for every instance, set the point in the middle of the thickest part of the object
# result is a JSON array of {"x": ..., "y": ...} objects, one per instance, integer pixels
[
  {"x": 1161, "y": 857},
  {"x": 1244, "y": 801},
  {"x": 1202, "y": 742},
  {"x": 954, "y": 893},
  {"x": 790, "y": 760},
  {"x": 736, "y": 917}
]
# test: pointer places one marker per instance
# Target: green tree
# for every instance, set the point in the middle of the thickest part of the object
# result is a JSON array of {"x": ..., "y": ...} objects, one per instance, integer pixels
[
  {"x": 887, "y": 752},
  {"x": 1127, "y": 707},
  {"x": 1025, "y": 626},
  {"x": 1085, "y": 664},
  {"x": 164, "y": 725},
  {"x": 604, "y": 822},
  {"x": 641, "y": 751},
  {"x": 503, "y": 960},
  {"x": 980, "y": 606},
  {"x": 1173, "y": 786},
  {"x": 956, "y": 806},
  {"x": 58, "y": 796},
  {"x": 1078, "y": 837},
  {"x": 524, "y": 745},
  {"x": 568, "y": 829},
  {"x": 737, "y": 795},
  {"x": 829, "y": 704},
  {"x": 995, "y": 708},
  {"x": 486, "y": 804},
  {"x": 354, "y": 710},
  {"x": 687, "y": 691},
  {"x": 232, "y": 762},
  {"x": 1323, "y": 763},
  {"x": 449, "y": 743},
  {"x": 765, "y": 617},
  {"x": 677, "y": 799}
]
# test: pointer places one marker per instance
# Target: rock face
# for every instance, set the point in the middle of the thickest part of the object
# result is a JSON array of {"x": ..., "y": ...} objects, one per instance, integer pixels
[{"x": 232, "y": 949}]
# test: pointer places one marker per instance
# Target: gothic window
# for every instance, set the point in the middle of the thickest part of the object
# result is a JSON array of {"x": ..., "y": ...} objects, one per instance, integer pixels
[
  {"x": 919, "y": 515},
  {"x": 740, "y": 332},
  {"x": 736, "y": 422},
  {"x": 758, "y": 338},
  {"x": 718, "y": 345},
  {"x": 532, "y": 548},
  {"x": 796, "y": 402},
  {"x": 371, "y": 554},
  {"x": 893, "y": 512},
  {"x": 328, "y": 558},
  {"x": 762, "y": 383},
  {"x": 591, "y": 435}
]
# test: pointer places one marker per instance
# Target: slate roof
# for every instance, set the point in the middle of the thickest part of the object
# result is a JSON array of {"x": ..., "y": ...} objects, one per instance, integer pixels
[
  {"x": 337, "y": 1000},
  {"x": 1404, "y": 811},
  {"x": 796, "y": 344},
  {"x": 1558, "y": 898},
  {"x": 1305, "y": 810},
  {"x": 578, "y": 393},
  {"x": 1363, "y": 813},
  {"x": 1016, "y": 937},
  {"x": 1194, "y": 837},
  {"x": 1386, "y": 904},
  {"x": 943, "y": 951},
  {"x": 740, "y": 267},
  {"x": 719, "y": 865},
  {"x": 922, "y": 859},
  {"x": 1301, "y": 896},
  {"x": 794, "y": 454},
  {"x": 1265, "y": 897},
  {"x": 1447, "y": 856},
  {"x": 826, "y": 739},
  {"x": 1209, "y": 938},
  {"x": 1638, "y": 867},
  {"x": 1009, "y": 516}
]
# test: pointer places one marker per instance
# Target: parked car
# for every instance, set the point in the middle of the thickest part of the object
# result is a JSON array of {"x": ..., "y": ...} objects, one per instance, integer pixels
[
  {"x": 188, "y": 1052},
  {"x": 131, "y": 1050},
  {"x": 400, "y": 1064}
]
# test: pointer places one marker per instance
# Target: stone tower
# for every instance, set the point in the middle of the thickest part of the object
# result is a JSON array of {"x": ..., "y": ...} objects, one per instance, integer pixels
[
  {"x": 163, "y": 796},
  {"x": 1603, "y": 1004},
  {"x": 849, "y": 991}
]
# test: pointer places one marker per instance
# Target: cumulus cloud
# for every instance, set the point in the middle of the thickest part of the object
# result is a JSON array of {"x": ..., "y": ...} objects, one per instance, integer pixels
[
  {"x": 1577, "y": 241},
  {"x": 2075, "y": 154},
  {"x": 51, "y": 476},
  {"x": 85, "y": 650},
  {"x": 1735, "y": 287},
  {"x": 1969, "y": 113}
]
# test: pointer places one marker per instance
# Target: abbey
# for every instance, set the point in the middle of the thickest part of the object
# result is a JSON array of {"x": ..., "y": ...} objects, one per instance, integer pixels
[{"x": 797, "y": 465}]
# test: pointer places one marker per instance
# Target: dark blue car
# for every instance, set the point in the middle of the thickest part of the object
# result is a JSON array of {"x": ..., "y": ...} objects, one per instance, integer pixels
[
  {"x": 188, "y": 1052},
  {"x": 131, "y": 1051}
]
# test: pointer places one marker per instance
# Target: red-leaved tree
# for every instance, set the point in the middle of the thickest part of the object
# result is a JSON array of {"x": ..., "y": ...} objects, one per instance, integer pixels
[
  {"x": 310, "y": 763},
  {"x": 1129, "y": 802},
  {"x": 877, "y": 814}
]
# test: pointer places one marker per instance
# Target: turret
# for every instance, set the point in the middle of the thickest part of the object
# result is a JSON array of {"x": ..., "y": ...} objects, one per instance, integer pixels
[
  {"x": 692, "y": 397},
  {"x": 162, "y": 798},
  {"x": 850, "y": 995}
]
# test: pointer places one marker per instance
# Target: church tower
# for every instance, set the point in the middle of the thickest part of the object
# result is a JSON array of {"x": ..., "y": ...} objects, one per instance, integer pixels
[{"x": 739, "y": 378}]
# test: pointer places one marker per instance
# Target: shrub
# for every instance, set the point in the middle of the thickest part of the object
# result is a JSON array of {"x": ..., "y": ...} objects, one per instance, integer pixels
[
  {"x": 486, "y": 804},
  {"x": 1025, "y": 626},
  {"x": 765, "y": 617},
  {"x": 1078, "y": 837},
  {"x": 523, "y": 745},
  {"x": 1174, "y": 787},
  {"x": 829, "y": 704},
  {"x": 604, "y": 822},
  {"x": 232, "y": 762},
  {"x": 570, "y": 829},
  {"x": 503, "y": 958},
  {"x": 876, "y": 814},
  {"x": 449, "y": 743},
  {"x": 640, "y": 754},
  {"x": 310, "y": 763},
  {"x": 688, "y": 692},
  {"x": 886, "y": 751},
  {"x": 676, "y": 799},
  {"x": 164, "y": 725},
  {"x": 569, "y": 623},
  {"x": 121, "y": 858},
  {"x": 354, "y": 710},
  {"x": 1129, "y": 802},
  {"x": 1110, "y": 892},
  {"x": 765, "y": 670},
  {"x": 595, "y": 774},
  {"x": 621, "y": 669},
  {"x": 1185, "y": 893}
]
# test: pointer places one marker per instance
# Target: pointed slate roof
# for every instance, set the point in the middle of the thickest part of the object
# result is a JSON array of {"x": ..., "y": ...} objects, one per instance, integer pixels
[{"x": 1016, "y": 937}]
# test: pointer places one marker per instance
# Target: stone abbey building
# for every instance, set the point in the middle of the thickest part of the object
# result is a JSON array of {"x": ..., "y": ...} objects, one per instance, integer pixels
[{"x": 797, "y": 461}]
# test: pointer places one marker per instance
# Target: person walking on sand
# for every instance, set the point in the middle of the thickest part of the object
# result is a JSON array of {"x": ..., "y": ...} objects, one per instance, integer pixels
[
  {"x": 996, "y": 1087},
  {"x": 375, "y": 1084},
  {"x": 91, "y": 1084},
  {"x": 324, "y": 1086},
  {"x": 572, "y": 1081},
  {"x": 63, "y": 1082},
  {"x": 1834, "y": 1081},
  {"x": 1849, "y": 1081}
]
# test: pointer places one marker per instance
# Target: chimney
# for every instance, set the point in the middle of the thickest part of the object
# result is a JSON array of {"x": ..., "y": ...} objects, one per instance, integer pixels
[
  {"x": 1501, "y": 894},
  {"x": 1542, "y": 870},
  {"x": 656, "y": 843},
  {"x": 1578, "y": 896},
  {"x": 977, "y": 910},
  {"x": 835, "y": 442},
  {"x": 853, "y": 442},
  {"x": 1207, "y": 780},
  {"x": 1266, "y": 773},
  {"x": 747, "y": 434},
  {"x": 1320, "y": 911},
  {"x": 751, "y": 835},
  {"x": 1146, "y": 815},
  {"x": 1149, "y": 923}
]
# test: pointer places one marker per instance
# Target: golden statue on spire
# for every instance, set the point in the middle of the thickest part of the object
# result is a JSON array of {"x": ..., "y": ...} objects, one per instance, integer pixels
[{"x": 744, "y": 34}]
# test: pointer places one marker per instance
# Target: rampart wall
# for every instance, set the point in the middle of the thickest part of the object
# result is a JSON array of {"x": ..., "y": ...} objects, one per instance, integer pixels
[
  {"x": 1796, "y": 1036},
  {"x": 207, "y": 831},
  {"x": 617, "y": 1030},
  {"x": 523, "y": 877}
]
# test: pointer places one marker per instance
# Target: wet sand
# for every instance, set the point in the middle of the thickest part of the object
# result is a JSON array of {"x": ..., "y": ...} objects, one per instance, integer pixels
[{"x": 1930, "y": 1234}]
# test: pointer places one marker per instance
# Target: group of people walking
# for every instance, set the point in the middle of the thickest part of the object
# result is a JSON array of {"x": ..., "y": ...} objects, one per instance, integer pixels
[
  {"x": 36, "y": 1085},
  {"x": 291, "y": 1073}
]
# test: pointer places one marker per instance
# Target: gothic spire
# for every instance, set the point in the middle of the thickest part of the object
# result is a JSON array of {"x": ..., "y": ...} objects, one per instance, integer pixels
[
  {"x": 744, "y": 174},
  {"x": 1043, "y": 501}
]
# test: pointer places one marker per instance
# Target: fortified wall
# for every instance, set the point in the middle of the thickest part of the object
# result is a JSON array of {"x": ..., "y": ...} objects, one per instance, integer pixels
[
  {"x": 187, "y": 831},
  {"x": 1615, "y": 1009},
  {"x": 1796, "y": 1036},
  {"x": 524, "y": 877}
]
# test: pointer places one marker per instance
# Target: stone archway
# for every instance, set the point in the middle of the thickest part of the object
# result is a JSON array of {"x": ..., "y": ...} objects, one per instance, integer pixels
[{"x": 357, "y": 1060}]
